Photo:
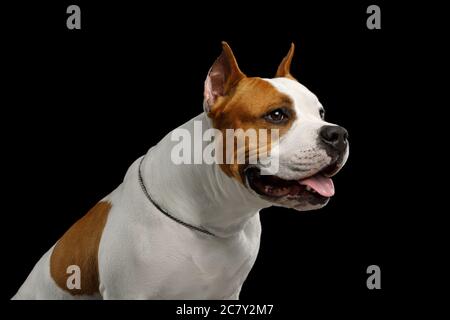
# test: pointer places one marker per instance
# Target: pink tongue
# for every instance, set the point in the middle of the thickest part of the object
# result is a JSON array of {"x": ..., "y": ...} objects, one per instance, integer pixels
[{"x": 324, "y": 186}]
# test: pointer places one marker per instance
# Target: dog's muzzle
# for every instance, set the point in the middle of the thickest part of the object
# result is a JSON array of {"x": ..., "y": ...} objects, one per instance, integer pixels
[{"x": 309, "y": 191}]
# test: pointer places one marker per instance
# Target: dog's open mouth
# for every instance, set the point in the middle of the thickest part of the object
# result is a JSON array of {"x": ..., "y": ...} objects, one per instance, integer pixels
[{"x": 319, "y": 185}]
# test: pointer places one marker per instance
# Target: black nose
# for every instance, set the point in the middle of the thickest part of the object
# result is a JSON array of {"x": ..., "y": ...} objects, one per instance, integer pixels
[{"x": 335, "y": 137}]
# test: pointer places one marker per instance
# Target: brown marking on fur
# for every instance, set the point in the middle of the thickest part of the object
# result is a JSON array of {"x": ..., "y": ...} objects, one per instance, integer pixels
[
  {"x": 284, "y": 69},
  {"x": 244, "y": 108},
  {"x": 79, "y": 246}
]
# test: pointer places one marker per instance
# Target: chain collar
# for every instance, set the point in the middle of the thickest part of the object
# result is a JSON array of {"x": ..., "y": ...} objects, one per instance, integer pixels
[{"x": 147, "y": 195}]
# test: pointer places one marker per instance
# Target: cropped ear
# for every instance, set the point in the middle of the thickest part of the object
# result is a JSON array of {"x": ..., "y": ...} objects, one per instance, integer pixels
[
  {"x": 284, "y": 69},
  {"x": 222, "y": 77}
]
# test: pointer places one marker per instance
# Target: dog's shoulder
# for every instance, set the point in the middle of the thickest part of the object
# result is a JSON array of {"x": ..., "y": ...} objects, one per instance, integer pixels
[{"x": 78, "y": 247}]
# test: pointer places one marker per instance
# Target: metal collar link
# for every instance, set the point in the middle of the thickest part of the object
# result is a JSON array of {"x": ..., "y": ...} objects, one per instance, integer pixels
[{"x": 144, "y": 189}]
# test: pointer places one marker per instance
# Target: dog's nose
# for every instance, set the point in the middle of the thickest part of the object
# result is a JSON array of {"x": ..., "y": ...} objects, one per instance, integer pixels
[{"x": 335, "y": 137}]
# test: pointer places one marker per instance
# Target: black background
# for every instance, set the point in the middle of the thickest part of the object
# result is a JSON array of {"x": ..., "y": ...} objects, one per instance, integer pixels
[{"x": 86, "y": 103}]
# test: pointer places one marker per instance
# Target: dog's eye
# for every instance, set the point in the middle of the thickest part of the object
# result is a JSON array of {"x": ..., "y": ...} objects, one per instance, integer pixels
[
  {"x": 322, "y": 113},
  {"x": 277, "y": 116}
]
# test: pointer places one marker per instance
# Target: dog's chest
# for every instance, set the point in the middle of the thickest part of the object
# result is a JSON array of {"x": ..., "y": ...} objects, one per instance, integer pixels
[
  {"x": 206, "y": 268},
  {"x": 213, "y": 277}
]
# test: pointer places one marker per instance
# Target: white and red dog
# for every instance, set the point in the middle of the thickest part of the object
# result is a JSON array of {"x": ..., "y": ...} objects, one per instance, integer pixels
[{"x": 174, "y": 231}]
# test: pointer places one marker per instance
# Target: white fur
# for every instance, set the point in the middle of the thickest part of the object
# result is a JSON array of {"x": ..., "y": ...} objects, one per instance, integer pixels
[
  {"x": 301, "y": 143},
  {"x": 145, "y": 255},
  {"x": 299, "y": 153}
]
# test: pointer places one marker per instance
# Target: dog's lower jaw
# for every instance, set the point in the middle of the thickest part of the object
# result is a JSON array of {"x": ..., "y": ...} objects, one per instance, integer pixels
[{"x": 288, "y": 193}]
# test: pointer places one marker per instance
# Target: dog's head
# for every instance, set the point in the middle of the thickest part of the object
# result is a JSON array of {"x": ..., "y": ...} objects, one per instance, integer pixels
[{"x": 309, "y": 150}]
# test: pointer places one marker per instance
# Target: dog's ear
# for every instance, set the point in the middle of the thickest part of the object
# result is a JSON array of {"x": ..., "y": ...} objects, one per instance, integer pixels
[
  {"x": 222, "y": 77},
  {"x": 284, "y": 69}
]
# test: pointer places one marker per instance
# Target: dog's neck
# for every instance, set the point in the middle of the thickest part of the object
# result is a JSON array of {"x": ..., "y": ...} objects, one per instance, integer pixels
[{"x": 199, "y": 194}]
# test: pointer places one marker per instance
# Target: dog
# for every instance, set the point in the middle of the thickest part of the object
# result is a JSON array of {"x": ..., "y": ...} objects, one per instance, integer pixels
[{"x": 185, "y": 231}]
